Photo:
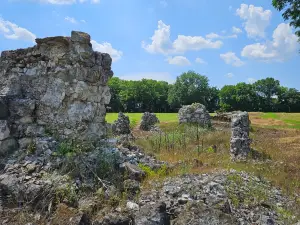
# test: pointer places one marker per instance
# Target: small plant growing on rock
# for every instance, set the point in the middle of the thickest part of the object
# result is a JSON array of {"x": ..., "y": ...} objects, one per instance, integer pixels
[
  {"x": 31, "y": 148},
  {"x": 66, "y": 193},
  {"x": 150, "y": 173},
  {"x": 72, "y": 148}
]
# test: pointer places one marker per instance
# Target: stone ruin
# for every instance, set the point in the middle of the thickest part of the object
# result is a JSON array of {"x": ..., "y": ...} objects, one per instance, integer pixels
[
  {"x": 148, "y": 121},
  {"x": 240, "y": 141},
  {"x": 121, "y": 125},
  {"x": 57, "y": 88},
  {"x": 195, "y": 113},
  {"x": 223, "y": 116}
]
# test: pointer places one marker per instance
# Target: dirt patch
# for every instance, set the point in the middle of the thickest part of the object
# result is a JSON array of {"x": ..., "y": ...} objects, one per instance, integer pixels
[{"x": 266, "y": 122}]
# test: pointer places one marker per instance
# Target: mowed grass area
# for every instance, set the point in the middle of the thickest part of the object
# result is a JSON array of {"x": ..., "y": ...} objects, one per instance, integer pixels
[
  {"x": 135, "y": 118},
  {"x": 268, "y": 120},
  {"x": 276, "y": 120}
]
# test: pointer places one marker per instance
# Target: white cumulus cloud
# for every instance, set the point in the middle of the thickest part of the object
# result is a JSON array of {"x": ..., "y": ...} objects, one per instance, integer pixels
[
  {"x": 161, "y": 42},
  {"x": 231, "y": 59},
  {"x": 236, "y": 30},
  {"x": 71, "y": 19},
  {"x": 200, "y": 61},
  {"x": 13, "y": 31},
  {"x": 217, "y": 36},
  {"x": 229, "y": 75},
  {"x": 160, "y": 76},
  {"x": 179, "y": 61},
  {"x": 256, "y": 20},
  {"x": 283, "y": 46},
  {"x": 107, "y": 48}
]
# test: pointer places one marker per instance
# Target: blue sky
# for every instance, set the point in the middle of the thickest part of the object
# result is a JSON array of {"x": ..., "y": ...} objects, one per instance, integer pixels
[{"x": 229, "y": 41}]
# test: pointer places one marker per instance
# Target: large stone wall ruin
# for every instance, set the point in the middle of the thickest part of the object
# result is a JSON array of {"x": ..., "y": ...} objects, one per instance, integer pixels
[{"x": 57, "y": 87}]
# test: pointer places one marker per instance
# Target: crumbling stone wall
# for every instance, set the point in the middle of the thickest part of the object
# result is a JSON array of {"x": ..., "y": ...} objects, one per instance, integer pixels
[
  {"x": 148, "y": 121},
  {"x": 121, "y": 125},
  {"x": 240, "y": 141},
  {"x": 195, "y": 113},
  {"x": 57, "y": 87}
]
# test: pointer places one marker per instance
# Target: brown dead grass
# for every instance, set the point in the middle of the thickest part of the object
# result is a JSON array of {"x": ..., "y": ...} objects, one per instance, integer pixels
[
  {"x": 266, "y": 122},
  {"x": 281, "y": 145},
  {"x": 256, "y": 119}
]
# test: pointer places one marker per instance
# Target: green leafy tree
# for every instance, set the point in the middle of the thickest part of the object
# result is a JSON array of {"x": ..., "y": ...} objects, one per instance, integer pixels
[
  {"x": 267, "y": 91},
  {"x": 289, "y": 100},
  {"x": 115, "y": 85},
  {"x": 190, "y": 87},
  {"x": 227, "y": 99},
  {"x": 238, "y": 97},
  {"x": 291, "y": 12}
]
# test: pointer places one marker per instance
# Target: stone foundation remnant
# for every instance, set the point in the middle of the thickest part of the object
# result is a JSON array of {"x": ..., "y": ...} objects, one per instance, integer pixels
[
  {"x": 57, "y": 88},
  {"x": 121, "y": 125},
  {"x": 195, "y": 113},
  {"x": 148, "y": 121},
  {"x": 240, "y": 141}
]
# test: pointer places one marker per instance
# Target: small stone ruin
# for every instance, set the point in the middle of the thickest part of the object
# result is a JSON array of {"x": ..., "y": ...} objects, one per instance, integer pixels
[
  {"x": 121, "y": 125},
  {"x": 240, "y": 141},
  {"x": 196, "y": 114},
  {"x": 57, "y": 88},
  {"x": 148, "y": 121}
]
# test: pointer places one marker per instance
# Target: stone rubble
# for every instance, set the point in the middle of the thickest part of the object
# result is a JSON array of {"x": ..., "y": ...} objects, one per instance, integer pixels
[
  {"x": 148, "y": 121},
  {"x": 240, "y": 141},
  {"x": 195, "y": 114},
  {"x": 226, "y": 197}
]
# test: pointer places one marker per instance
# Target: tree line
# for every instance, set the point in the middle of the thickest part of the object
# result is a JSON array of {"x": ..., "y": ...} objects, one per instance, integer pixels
[{"x": 266, "y": 95}]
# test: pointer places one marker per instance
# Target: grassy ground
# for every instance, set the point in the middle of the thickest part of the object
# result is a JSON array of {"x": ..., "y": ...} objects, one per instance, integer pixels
[
  {"x": 135, "y": 118},
  {"x": 276, "y": 120},
  {"x": 192, "y": 150},
  {"x": 267, "y": 120}
]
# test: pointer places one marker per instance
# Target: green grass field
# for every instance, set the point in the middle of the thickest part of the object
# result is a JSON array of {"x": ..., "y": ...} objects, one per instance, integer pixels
[
  {"x": 271, "y": 120},
  {"x": 135, "y": 118}
]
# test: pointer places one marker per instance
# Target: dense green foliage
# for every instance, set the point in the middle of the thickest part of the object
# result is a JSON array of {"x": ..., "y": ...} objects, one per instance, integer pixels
[
  {"x": 291, "y": 12},
  {"x": 158, "y": 96}
]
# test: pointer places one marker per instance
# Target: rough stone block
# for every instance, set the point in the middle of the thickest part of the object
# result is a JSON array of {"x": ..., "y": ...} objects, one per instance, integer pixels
[
  {"x": 8, "y": 146},
  {"x": 195, "y": 113},
  {"x": 3, "y": 108},
  {"x": 4, "y": 130},
  {"x": 240, "y": 141}
]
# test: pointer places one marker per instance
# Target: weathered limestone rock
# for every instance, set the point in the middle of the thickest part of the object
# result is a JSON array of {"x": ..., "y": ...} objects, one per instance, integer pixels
[
  {"x": 3, "y": 108},
  {"x": 195, "y": 113},
  {"x": 59, "y": 85},
  {"x": 240, "y": 141},
  {"x": 153, "y": 214},
  {"x": 148, "y": 121},
  {"x": 121, "y": 125},
  {"x": 8, "y": 146}
]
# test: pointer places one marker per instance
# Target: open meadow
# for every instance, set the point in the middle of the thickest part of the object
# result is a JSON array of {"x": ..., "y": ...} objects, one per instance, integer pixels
[
  {"x": 275, "y": 135},
  {"x": 270, "y": 120}
]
